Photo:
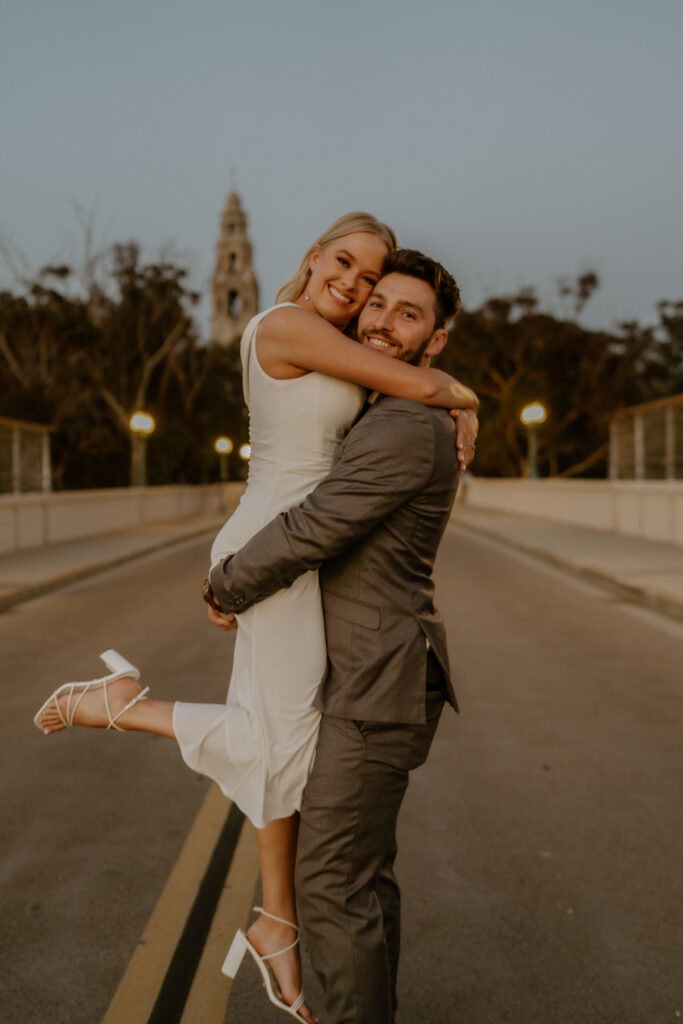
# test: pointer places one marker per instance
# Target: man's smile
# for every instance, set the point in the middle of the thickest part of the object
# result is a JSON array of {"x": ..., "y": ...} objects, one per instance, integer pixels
[{"x": 377, "y": 341}]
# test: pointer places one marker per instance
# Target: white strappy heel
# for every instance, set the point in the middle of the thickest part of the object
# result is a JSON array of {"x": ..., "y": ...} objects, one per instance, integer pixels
[
  {"x": 118, "y": 667},
  {"x": 241, "y": 945}
]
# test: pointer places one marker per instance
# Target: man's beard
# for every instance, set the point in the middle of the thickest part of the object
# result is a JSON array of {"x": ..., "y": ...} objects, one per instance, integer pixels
[{"x": 415, "y": 358}]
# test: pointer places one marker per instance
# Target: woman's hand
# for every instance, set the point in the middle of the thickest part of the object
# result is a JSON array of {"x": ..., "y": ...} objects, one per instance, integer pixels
[{"x": 466, "y": 435}]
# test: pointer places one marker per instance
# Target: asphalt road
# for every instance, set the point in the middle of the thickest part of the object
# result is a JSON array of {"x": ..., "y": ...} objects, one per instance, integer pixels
[
  {"x": 93, "y": 821},
  {"x": 540, "y": 847},
  {"x": 542, "y": 842}
]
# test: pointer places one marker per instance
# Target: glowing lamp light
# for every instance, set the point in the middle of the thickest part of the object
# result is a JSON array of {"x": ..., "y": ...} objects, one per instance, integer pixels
[
  {"x": 223, "y": 445},
  {"x": 533, "y": 414},
  {"x": 245, "y": 452},
  {"x": 142, "y": 423}
]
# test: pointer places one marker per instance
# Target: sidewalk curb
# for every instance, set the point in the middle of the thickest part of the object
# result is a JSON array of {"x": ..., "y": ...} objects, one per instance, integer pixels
[
  {"x": 627, "y": 591},
  {"x": 27, "y": 593}
]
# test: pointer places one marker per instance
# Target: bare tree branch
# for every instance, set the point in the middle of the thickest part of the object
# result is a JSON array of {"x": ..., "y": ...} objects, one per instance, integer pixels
[
  {"x": 153, "y": 361},
  {"x": 12, "y": 362},
  {"x": 599, "y": 455}
]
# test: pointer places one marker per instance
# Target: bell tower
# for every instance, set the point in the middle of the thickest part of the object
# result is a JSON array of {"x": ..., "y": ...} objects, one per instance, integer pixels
[{"x": 234, "y": 286}]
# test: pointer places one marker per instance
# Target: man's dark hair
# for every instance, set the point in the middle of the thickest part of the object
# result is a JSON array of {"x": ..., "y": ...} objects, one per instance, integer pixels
[{"x": 414, "y": 264}]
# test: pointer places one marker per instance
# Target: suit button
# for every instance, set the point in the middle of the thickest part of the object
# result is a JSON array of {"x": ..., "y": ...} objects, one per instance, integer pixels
[{"x": 238, "y": 600}]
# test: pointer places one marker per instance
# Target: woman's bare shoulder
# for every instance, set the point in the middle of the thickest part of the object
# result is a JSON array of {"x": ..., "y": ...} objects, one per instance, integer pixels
[{"x": 282, "y": 319}]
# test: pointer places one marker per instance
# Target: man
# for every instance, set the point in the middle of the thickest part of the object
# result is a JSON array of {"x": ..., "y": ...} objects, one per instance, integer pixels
[{"x": 372, "y": 527}]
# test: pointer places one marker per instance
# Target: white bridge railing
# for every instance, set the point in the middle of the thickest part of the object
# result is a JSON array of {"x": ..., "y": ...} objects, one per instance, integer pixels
[
  {"x": 646, "y": 441},
  {"x": 24, "y": 456}
]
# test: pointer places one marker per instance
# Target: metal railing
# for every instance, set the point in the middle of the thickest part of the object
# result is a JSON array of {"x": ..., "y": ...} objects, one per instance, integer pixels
[
  {"x": 24, "y": 457},
  {"x": 646, "y": 441}
]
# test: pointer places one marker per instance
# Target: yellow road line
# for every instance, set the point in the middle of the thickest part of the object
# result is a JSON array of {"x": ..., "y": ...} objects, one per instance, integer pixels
[
  {"x": 137, "y": 992},
  {"x": 208, "y": 998}
]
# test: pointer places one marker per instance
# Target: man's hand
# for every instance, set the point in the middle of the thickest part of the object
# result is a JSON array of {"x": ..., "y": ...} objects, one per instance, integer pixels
[
  {"x": 224, "y": 620},
  {"x": 468, "y": 428}
]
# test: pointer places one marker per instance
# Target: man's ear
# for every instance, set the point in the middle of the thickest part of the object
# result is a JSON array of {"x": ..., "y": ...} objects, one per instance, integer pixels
[{"x": 437, "y": 342}]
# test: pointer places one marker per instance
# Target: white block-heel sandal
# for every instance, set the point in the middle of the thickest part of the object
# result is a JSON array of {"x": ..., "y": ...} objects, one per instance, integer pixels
[
  {"x": 118, "y": 667},
  {"x": 241, "y": 945}
]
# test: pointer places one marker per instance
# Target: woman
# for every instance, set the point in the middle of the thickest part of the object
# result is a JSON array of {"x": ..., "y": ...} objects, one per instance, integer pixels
[{"x": 303, "y": 381}]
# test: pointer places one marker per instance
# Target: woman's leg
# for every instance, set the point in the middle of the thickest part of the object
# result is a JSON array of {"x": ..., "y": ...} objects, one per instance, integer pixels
[
  {"x": 277, "y": 853},
  {"x": 276, "y": 842},
  {"x": 146, "y": 716}
]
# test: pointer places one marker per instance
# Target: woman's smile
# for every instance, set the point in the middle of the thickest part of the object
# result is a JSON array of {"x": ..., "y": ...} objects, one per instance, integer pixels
[{"x": 338, "y": 296}]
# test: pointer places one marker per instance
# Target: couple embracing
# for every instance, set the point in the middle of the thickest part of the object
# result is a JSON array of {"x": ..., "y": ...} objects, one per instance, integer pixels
[{"x": 340, "y": 669}]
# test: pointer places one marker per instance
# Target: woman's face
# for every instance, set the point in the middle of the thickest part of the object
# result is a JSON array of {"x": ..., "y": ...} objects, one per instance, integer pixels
[{"x": 342, "y": 276}]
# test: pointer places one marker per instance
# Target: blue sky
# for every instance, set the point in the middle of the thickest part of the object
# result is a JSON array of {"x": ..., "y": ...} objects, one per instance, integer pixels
[{"x": 516, "y": 142}]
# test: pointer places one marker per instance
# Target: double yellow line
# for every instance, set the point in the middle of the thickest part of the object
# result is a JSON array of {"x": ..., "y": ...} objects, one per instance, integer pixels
[{"x": 174, "y": 974}]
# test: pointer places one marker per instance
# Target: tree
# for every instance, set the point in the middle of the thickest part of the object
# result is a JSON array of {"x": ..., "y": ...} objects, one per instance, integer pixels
[
  {"x": 45, "y": 341},
  {"x": 512, "y": 353},
  {"x": 84, "y": 358}
]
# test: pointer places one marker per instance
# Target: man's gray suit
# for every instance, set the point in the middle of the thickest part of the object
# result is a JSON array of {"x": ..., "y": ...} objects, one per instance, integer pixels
[{"x": 372, "y": 527}]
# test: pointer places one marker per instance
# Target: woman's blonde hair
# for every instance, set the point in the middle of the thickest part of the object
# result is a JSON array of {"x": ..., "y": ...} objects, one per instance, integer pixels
[{"x": 346, "y": 225}]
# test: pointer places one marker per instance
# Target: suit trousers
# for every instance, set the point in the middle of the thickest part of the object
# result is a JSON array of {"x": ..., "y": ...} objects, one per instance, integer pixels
[{"x": 349, "y": 900}]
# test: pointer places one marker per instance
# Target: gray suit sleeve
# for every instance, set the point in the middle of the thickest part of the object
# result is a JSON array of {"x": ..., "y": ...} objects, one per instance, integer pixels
[{"x": 385, "y": 460}]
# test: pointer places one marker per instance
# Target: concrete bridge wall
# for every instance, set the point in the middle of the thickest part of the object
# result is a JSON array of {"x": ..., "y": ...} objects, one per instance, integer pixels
[
  {"x": 36, "y": 519},
  {"x": 650, "y": 509}
]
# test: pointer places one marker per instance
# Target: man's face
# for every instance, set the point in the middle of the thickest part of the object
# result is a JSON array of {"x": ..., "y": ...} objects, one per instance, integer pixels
[{"x": 398, "y": 320}]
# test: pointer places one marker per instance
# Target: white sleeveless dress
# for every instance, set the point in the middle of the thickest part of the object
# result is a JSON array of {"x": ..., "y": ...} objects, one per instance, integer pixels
[{"x": 259, "y": 745}]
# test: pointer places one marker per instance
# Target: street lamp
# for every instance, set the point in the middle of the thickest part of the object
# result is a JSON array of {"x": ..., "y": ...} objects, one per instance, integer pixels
[
  {"x": 532, "y": 416},
  {"x": 245, "y": 452},
  {"x": 141, "y": 425},
  {"x": 223, "y": 446}
]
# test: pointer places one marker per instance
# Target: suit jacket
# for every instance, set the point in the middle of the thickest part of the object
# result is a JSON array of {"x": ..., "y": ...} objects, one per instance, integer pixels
[{"x": 372, "y": 527}]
